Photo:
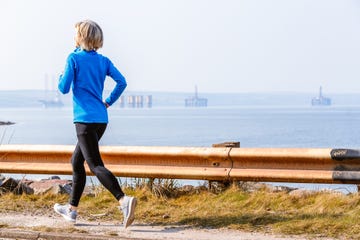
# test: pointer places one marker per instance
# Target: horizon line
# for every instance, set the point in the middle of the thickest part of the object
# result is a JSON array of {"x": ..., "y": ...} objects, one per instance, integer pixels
[{"x": 204, "y": 92}]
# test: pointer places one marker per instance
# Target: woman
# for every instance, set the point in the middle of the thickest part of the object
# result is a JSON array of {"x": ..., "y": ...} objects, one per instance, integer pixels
[{"x": 85, "y": 73}]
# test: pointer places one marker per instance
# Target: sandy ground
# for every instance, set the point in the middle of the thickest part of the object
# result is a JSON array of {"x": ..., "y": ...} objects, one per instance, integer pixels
[{"x": 135, "y": 231}]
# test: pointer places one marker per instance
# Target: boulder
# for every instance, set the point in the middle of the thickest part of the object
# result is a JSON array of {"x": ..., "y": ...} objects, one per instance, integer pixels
[
  {"x": 302, "y": 193},
  {"x": 6, "y": 123},
  {"x": 54, "y": 186},
  {"x": 2, "y": 178},
  {"x": 8, "y": 184},
  {"x": 281, "y": 188},
  {"x": 248, "y": 186},
  {"x": 15, "y": 186}
]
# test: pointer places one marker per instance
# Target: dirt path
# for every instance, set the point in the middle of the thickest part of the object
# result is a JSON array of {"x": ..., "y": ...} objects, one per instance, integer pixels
[{"x": 54, "y": 223}]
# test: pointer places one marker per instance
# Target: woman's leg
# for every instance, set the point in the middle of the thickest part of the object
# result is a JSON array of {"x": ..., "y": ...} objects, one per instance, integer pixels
[
  {"x": 88, "y": 138},
  {"x": 68, "y": 211},
  {"x": 79, "y": 176}
]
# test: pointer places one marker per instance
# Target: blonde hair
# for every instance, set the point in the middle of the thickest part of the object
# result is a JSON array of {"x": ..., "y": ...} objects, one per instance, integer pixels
[{"x": 89, "y": 35}]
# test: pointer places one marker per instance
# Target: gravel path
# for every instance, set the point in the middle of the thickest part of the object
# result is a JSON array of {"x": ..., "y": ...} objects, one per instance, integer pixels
[{"x": 135, "y": 231}]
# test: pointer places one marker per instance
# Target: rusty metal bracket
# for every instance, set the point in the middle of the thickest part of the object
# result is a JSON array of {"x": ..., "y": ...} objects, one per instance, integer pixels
[{"x": 232, "y": 162}]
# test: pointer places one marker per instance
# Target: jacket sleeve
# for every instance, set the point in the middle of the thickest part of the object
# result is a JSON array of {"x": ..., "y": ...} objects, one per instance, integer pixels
[
  {"x": 68, "y": 75},
  {"x": 120, "y": 86}
]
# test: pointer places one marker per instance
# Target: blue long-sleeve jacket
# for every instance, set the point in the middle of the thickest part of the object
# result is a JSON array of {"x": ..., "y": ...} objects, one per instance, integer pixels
[{"x": 85, "y": 72}]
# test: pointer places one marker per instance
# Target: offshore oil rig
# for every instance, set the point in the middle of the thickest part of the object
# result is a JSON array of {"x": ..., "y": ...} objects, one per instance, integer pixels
[
  {"x": 195, "y": 101},
  {"x": 52, "y": 97},
  {"x": 320, "y": 100},
  {"x": 136, "y": 101}
]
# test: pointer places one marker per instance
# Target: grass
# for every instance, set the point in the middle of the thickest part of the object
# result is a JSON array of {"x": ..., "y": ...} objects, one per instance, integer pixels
[{"x": 320, "y": 214}]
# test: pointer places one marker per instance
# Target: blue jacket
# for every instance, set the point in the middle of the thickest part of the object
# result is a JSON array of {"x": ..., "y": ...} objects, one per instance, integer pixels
[{"x": 86, "y": 72}]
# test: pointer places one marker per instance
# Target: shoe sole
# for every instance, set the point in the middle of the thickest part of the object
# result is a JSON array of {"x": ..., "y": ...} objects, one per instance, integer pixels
[
  {"x": 64, "y": 216},
  {"x": 131, "y": 217}
]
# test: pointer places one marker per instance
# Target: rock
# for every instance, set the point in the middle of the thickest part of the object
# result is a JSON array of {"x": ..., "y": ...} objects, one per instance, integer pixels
[
  {"x": 219, "y": 186},
  {"x": 281, "y": 188},
  {"x": 2, "y": 178},
  {"x": 89, "y": 191},
  {"x": 54, "y": 177},
  {"x": 54, "y": 186},
  {"x": 56, "y": 189},
  {"x": 9, "y": 184},
  {"x": 332, "y": 191},
  {"x": 6, "y": 123},
  {"x": 300, "y": 193},
  {"x": 248, "y": 186},
  {"x": 25, "y": 188},
  {"x": 187, "y": 189},
  {"x": 15, "y": 186},
  {"x": 200, "y": 188},
  {"x": 51, "y": 178}
]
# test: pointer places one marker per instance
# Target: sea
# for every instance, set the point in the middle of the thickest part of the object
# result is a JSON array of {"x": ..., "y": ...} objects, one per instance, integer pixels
[{"x": 261, "y": 120}]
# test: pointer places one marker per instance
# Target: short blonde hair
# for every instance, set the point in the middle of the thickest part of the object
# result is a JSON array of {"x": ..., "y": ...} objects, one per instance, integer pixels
[{"x": 89, "y": 35}]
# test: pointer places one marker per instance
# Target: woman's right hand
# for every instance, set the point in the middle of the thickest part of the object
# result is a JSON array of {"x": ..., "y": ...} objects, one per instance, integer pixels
[{"x": 106, "y": 104}]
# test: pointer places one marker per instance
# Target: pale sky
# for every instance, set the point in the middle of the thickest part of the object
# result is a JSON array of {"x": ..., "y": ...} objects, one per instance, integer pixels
[{"x": 173, "y": 45}]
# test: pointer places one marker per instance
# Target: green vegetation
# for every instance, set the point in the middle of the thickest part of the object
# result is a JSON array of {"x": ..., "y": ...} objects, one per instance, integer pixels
[{"x": 319, "y": 214}]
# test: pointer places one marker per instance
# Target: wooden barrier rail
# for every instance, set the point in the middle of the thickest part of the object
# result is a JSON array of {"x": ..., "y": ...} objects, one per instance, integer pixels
[{"x": 306, "y": 165}]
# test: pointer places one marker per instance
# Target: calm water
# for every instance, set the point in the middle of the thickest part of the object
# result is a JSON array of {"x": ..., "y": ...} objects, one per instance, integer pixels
[{"x": 253, "y": 126}]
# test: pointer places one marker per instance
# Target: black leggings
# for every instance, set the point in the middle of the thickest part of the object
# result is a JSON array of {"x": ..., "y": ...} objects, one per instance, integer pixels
[{"x": 87, "y": 148}]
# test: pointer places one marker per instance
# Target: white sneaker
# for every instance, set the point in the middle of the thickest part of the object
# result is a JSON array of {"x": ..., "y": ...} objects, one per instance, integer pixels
[
  {"x": 66, "y": 212},
  {"x": 128, "y": 209}
]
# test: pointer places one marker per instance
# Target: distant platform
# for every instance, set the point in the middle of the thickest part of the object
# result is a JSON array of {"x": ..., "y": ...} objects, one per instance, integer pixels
[
  {"x": 56, "y": 103},
  {"x": 321, "y": 100},
  {"x": 136, "y": 101},
  {"x": 195, "y": 101}
]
